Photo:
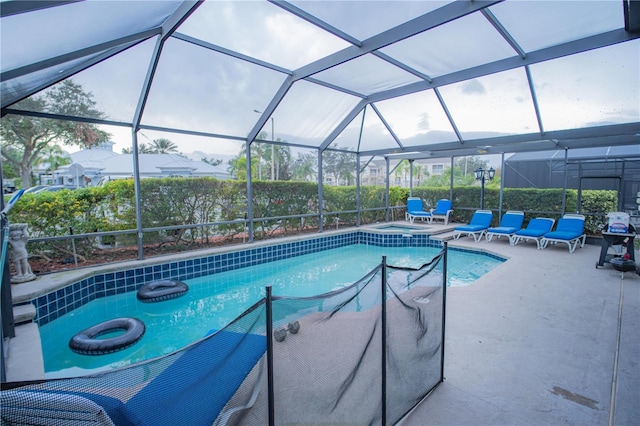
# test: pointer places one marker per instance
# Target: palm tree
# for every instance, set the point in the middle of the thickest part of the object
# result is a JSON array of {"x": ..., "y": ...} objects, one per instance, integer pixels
[
  {"x": 401, "y": 172},
  {"x": 419, "y": 173},
  {"x": 163, "y": 146},
  {"x": 53, "y": 157},
  {"x": 142, "y": 149},
  {"x": 237, "y": 165},
  {"x": 212, "y": 161}
]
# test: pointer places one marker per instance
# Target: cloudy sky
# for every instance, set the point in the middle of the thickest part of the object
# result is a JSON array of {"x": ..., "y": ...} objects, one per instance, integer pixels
[{"x": 204, "y": 90}]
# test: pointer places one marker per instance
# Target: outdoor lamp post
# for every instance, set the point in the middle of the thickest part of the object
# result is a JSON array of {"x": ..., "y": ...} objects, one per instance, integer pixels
[
  {"x": 273, "y": 148},
  {"x": 480, "y": 175}
]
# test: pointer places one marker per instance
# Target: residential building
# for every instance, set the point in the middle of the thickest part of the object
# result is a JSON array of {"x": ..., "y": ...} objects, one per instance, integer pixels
[{"x": 100, "y": 164}]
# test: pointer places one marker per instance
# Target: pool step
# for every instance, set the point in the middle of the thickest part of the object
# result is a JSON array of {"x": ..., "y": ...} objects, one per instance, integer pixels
[
  {"x": 443, "y": 237},
  {"x": 24, "y": 360},
  {"x": 23, "y": 314}
]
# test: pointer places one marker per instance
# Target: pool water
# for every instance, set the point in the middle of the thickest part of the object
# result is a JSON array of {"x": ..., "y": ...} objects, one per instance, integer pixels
[{"x": 215, "y": 300}]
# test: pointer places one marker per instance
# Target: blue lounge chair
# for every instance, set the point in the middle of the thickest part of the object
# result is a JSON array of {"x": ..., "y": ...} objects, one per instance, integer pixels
[
  {"x": 510, "y": 223},
  {"x": 442, "y": 211},
  {"x": 535, "y": 230},
  {"x": 480, "y": 222},
  {"x": 415, "y": 209},
  {"x": 569, "y": 230}
]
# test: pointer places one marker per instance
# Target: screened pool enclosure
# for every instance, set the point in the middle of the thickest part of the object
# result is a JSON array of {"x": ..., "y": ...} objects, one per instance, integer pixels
[
  {"x": 314, "y": 85},
  {"x": 311, "y": 92}
]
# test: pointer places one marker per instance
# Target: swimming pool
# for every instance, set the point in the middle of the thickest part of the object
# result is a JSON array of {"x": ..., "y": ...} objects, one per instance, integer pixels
[{"x": 214, "y": 300}]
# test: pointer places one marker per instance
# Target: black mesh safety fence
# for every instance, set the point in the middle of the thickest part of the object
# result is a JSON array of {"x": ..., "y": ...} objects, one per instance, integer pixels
[
  {"x": 330, "y": 365},
  {"x": 343, "y": 357},
  {"x": 190, "y": 386},
  {"x": 415, "y": 336}
]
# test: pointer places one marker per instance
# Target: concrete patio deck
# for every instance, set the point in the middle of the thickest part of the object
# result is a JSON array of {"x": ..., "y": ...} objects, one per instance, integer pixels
[{"x": 544, "y": 339}]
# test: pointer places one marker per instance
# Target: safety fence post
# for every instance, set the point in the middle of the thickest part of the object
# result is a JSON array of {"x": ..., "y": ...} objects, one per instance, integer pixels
[
  {"x": 270, "y": 358},
  {"x": 444, "y": 307},
  {"x": 384, "y": 340}
]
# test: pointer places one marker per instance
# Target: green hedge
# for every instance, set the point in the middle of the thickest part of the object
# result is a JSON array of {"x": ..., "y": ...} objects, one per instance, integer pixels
[{"x": 174, "y": 202}]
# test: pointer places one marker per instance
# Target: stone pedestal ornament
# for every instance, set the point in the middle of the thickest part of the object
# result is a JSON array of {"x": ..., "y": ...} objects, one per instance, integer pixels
[{"x": 18, "y": 237}]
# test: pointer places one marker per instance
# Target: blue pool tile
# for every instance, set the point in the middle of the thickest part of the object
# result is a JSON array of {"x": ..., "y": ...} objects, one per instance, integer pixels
[
  {"x": 100, "y": 285},
  {"x": 43, "y": 311}
]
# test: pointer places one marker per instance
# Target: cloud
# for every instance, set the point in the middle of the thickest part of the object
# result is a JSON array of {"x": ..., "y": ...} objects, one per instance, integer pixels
[
  {"x": 423, "y": 124},
  {"x": 473, "y": 86}
]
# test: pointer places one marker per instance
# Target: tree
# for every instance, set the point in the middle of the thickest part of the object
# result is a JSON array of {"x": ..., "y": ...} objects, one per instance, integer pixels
[
  {"x": 283, "y": 162},
  {"x": 25, "y": 139},
  {"x": 213, "y": 161},
  {"x": 304, "y": 167},
  {"x": 163, "y": 146},
  {"x": 342, "y": 165},
  {"x": 468, "y": 165},
  {"x": 53, "y": 157},
  {"x": 441, "y": 180},
  {"x": 419, "y": 173},
  {"x": 462, "y": 173},
  {"x": 237, "y": 166},
  {"x": 402, "y": 173},
  {"x": 258, "y": 151},
  {"x": 142, "y": 149}
]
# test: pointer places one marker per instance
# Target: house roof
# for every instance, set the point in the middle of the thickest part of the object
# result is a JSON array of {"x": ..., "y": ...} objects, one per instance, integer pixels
[{"x": 149, "y": 164}]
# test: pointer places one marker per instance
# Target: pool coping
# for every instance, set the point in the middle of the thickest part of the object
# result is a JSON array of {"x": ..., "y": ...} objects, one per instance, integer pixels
[
  {"x": 48, "y": 283},
  {"x": 56, "y": 294},
  {"x": 32, "y": 367},
  {"x": 44, "y": 284}
]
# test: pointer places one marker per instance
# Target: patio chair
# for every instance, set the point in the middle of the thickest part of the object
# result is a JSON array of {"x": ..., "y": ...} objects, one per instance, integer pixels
[
  {"x": 510, "y": 223},
  {"x": 442, "y": 211},
  {"x": 480, "y": 222},
  {"x": 569, "y": 230},
  {"x": 415, "y": 209},
  {"x": 535, "y": 230},
  {"x": 34, "y": 407}
]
